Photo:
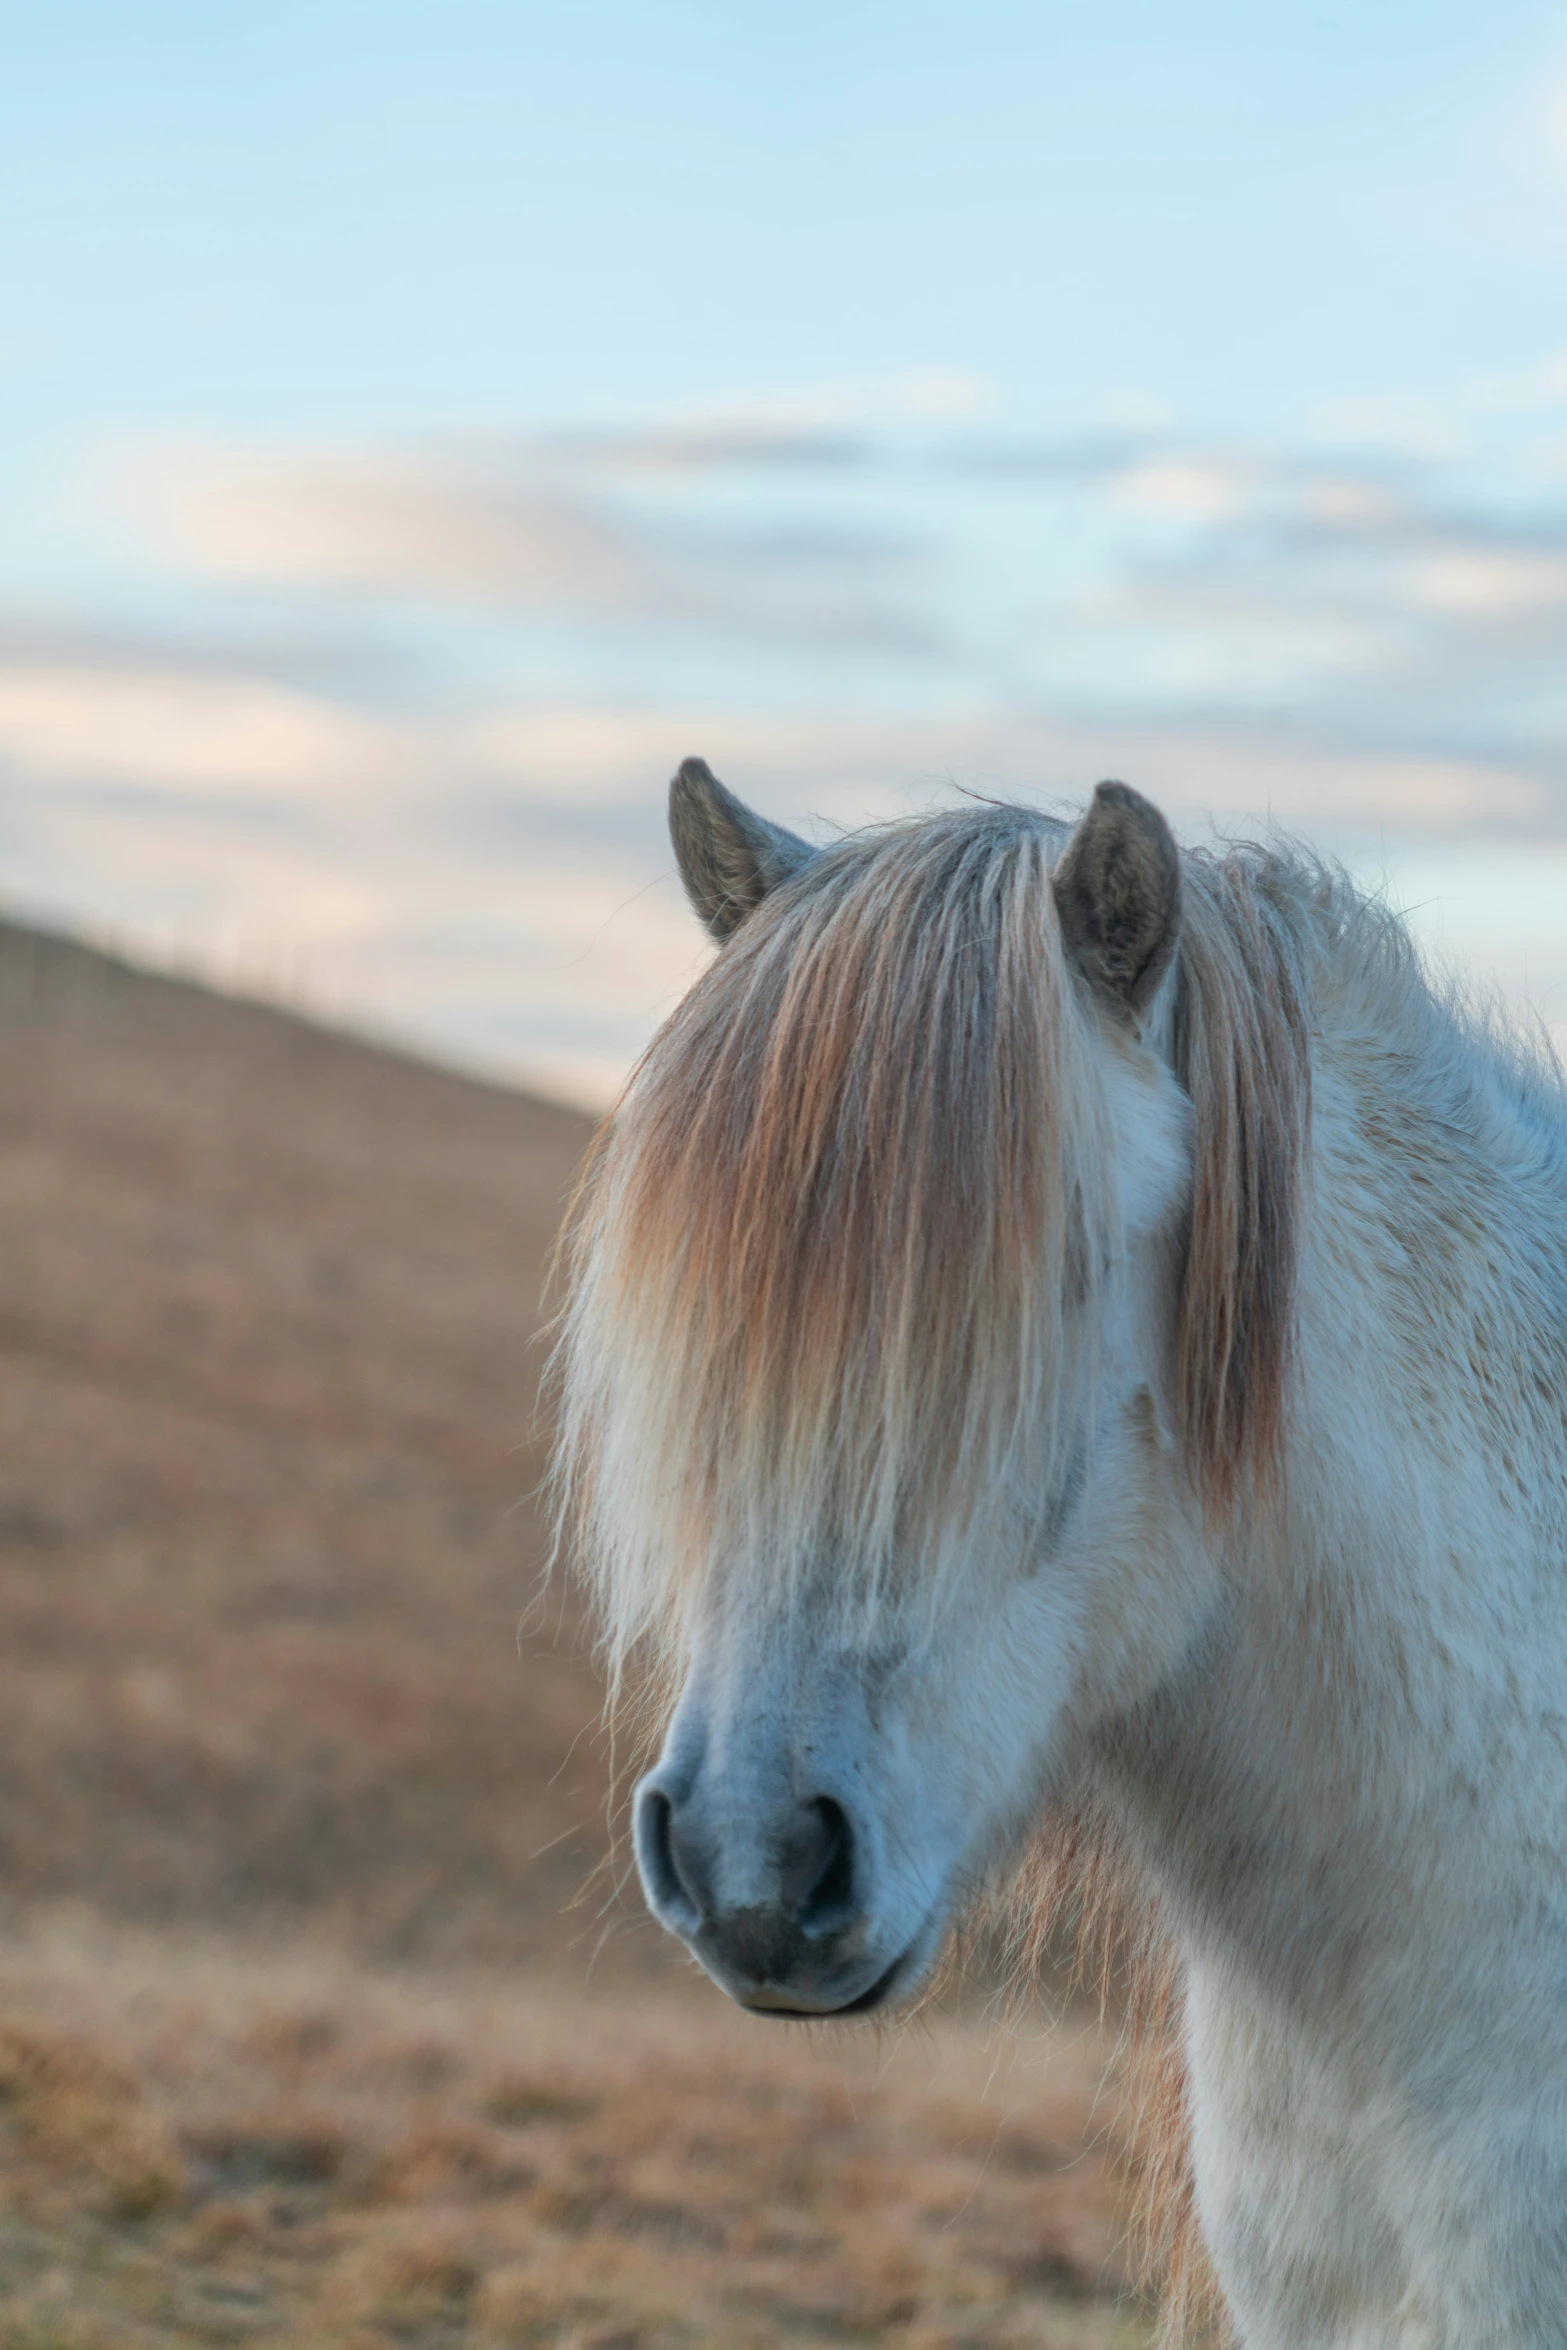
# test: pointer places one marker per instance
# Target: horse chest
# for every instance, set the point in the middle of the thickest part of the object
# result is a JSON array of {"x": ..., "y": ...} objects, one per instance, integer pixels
[{"x": 1350, "y": 2203}]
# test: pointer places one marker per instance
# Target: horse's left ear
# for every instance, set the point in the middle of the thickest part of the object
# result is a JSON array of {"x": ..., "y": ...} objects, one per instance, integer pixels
[
  {"x": 728, "y": 858},
  {"x": 1118, "y": 897}
]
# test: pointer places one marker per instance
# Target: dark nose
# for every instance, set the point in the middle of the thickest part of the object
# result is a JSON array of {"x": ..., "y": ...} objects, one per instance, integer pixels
[{"x": 771, "y": 1907}]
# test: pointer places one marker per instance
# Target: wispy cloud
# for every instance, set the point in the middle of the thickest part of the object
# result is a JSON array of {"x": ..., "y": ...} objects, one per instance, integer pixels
[
  {"x": 192, "y": 731},
  {"x": 561, "y": 528},
  {"x": 403, "y": 729},
  {"x": 1231, "y": 573}
]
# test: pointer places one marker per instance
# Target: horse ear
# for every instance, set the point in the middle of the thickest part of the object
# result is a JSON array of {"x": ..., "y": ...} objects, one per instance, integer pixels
[
  {"x": 729, "y": 859},
  {"x": 1118, "y": 897}
]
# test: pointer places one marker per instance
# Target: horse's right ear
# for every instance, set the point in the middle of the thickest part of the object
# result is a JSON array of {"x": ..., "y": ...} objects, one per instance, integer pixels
[
  {"x": 1118, "y": 897},
  {"x": 729, "y": 859}
]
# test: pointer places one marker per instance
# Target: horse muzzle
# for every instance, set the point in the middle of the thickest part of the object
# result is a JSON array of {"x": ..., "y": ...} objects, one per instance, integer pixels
[{"x": 774, "y": 1902}]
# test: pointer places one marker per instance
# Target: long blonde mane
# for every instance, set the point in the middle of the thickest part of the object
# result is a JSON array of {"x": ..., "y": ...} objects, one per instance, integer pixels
[{"x": 825, "y": 1258}]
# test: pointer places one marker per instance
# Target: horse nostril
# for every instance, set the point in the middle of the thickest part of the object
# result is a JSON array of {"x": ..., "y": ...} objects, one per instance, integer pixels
[
  {"x": 670, "y": 1887},
  {"x": 829, "y": 1902}
]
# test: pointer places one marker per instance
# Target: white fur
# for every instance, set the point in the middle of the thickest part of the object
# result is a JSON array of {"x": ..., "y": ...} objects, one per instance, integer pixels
[
  {"x": 1335, "y": 1736},
  {"x": 1362, "y": 1830}
]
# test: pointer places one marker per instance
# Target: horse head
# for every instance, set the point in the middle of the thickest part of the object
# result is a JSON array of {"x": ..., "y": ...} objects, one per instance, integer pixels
[{"x": 894, "y": 1423}]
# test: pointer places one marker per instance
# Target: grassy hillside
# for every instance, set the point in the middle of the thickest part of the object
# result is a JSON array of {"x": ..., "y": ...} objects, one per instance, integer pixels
[
  {"x": 299, "y": 2040},
  {"x": 268, "y": 1302}
]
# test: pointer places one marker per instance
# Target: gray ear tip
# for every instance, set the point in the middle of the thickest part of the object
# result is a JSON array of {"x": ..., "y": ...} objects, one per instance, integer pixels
[
  {"x": 697, "y": 797},
  {"x": 728, "y": 857},
  {"x": 693, "y": 779},
  {"x": 1120, "y": 797},
  {"x": 1128, "y": 812}
]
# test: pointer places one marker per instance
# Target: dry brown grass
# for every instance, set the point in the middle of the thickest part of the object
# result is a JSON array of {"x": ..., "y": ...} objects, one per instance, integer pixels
[
  {"x": 299, "y": 2042},
  {"x": 206, "y": 2145}
]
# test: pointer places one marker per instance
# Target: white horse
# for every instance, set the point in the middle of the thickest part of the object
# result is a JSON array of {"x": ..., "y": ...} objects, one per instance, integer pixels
[{"x": 1055, "y": 1316}]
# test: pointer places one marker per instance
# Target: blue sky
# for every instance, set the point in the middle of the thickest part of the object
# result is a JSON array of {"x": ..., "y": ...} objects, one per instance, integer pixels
[{"x": 420, "y": 425}]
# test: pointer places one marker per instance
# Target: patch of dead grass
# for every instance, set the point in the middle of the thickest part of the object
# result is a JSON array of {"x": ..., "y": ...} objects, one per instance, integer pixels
[{"x": 566, "y": 2175}]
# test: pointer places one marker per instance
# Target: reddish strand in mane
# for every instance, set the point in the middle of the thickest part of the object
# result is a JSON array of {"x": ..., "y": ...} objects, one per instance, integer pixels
[{"x": 1242, "y": 1051}]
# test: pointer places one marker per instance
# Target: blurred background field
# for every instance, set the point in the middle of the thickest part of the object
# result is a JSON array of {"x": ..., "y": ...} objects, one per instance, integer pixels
[{"x": 316, "y": 2024}]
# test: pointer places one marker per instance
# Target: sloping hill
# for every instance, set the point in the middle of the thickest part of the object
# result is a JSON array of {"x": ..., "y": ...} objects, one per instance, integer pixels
[
  {"x": 269, "y": 1300},
  {"x": 299, "y": 2042}
]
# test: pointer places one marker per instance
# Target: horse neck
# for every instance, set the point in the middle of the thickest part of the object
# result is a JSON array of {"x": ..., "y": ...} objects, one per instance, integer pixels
[
  {"x": 1392, "y": 1633},
  {"x": 1425, "y": 1453}
]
